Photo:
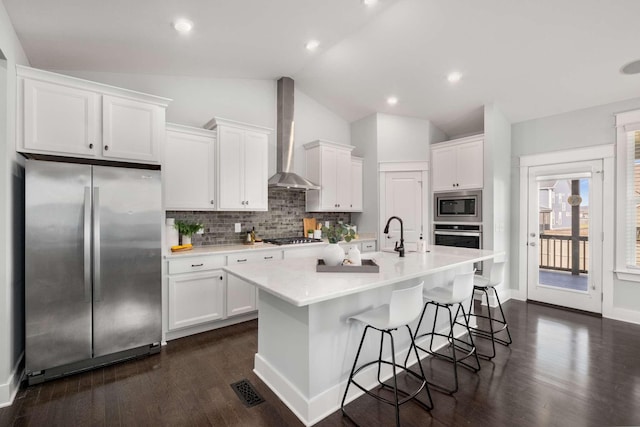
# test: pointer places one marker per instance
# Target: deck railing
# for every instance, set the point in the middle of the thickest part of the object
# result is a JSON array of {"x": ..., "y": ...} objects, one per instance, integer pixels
[{"x": 556, "y": 252}]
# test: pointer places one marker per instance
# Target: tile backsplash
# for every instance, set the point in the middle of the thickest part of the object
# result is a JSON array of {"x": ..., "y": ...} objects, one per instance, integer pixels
[{"x": 283, "y": 219}]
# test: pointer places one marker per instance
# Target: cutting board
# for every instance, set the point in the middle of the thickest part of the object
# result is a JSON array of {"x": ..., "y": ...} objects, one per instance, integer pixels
[{"x": 308, "y": 224}]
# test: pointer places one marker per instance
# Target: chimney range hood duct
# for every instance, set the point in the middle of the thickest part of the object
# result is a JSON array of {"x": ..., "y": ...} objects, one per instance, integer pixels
[{"x": 284, "y": 178}]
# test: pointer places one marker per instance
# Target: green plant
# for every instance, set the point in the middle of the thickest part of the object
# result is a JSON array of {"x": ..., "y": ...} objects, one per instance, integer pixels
[
  {"x": 187, "y": 228},
  {"x": 335, "y": 233}
]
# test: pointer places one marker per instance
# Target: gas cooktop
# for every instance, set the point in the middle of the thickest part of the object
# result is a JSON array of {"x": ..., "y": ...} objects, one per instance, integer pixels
[{"x": 291, "y": 240}]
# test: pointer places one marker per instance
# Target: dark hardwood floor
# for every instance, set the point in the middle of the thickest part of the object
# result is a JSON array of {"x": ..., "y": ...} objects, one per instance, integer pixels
[{"x": 563, "y": 369}]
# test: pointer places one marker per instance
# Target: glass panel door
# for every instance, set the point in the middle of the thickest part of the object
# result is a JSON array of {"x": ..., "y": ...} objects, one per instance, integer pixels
[{"x": 564, "y": 248}]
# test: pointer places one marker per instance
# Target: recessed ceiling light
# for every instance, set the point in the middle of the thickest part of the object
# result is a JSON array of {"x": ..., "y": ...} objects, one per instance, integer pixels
[
  {"x": 392, "y": 100},
  {"x": 369, "y": 2},
  {"x": 631, "y": 68},
  {"x": 183, "y": 26},
  {"x": 312, "y": 44},
  {"x": 454, "y": 77}
]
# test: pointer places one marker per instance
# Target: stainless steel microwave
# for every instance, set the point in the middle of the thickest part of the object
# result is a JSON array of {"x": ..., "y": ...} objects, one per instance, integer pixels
[{"x": 458, "y": 206}]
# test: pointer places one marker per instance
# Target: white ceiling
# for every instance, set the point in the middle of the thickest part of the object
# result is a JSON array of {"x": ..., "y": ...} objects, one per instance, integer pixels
[{"x": 532, "y": 58}]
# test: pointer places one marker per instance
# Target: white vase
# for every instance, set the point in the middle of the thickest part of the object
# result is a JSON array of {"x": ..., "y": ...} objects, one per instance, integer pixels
[
  {"x": 186, "y": 240},
  {"x": 333, "y": 254}
]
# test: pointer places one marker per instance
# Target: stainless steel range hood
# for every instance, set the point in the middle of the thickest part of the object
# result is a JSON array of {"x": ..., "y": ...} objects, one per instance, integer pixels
[{"x": 284, "y": 177}]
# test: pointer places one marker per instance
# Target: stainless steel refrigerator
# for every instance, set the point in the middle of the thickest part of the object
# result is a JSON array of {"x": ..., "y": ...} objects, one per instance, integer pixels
[{"x": 92, "y": 266}]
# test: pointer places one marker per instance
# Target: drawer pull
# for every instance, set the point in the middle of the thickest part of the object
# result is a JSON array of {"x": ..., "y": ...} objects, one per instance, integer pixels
[
  {"x": 241, "y": 260},
  {"x": 220, "y": 277},
  {"x": 269, "y": 257},
  {"x": 197, "y": 265}
]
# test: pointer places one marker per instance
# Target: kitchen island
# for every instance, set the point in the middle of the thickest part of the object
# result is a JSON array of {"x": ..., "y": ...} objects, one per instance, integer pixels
[{"x": 306, "y": 346}]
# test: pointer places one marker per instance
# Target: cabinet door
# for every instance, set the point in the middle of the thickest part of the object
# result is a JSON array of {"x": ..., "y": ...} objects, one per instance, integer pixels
[
  {"x": 241, "y": 296},
  {"x": 256, "y": 163},
  {"x": 231, "y": 169},
  {"x": 196, "y": 298},
  {"x": 356, "y": 186},
  {"x": 132, "y": 130},
  {"x": 443, "y": 166},
  {"x": 61, "y": 120},
  {"x": 343, "y": 180},
  {"x": 328, "y": 178},
  {"x": 188, "y": 172},
  {"x": 470, "y": 165}
]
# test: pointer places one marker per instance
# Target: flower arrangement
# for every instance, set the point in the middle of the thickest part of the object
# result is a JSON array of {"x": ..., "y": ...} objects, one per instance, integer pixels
[{"x": 338, "y": 232}]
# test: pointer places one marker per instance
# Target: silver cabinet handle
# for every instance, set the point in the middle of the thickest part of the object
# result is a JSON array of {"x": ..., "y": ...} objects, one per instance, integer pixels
[
  {"x": 246, "y": 202},
  {"x": 532, "y": 244},
  {"x": 91, "y": 146},
  {"x": 197, "y": 265},
  {"x": 532, "y": 234},
  {"x": 97, "y": 286},
  {"x": 87, "y": 244},
  {"x": 269, "y": 257},
  {"x": 212, "y": 202},
  {"x": 241, "y": 260},
  {"x": 106, "y": 148}
]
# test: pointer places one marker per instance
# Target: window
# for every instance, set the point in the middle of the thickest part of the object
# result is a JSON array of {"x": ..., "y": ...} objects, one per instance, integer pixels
[{"x": 628, "y": 192}]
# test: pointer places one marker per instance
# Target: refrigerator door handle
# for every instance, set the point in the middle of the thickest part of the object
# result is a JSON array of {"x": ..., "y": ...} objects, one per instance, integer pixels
[
  {"x": 97, "y": 290},
  {"x": 87, "y": 244}
]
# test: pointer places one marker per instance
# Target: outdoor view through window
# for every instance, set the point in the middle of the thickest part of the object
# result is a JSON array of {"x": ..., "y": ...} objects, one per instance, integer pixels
[{"x": 564, "y": 233}]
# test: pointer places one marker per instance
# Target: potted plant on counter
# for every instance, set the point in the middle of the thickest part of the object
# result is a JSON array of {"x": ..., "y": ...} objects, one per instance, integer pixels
[
  {"x": 333, "y": 254},
  {"x": 186, "y": 230}
]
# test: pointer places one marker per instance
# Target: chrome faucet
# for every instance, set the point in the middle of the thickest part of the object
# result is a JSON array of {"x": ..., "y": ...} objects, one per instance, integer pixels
[{"x": 399, "y": 249}]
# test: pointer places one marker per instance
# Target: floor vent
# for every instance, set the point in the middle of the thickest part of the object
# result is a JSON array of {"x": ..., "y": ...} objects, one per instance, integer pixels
[{"x": 247, "y": 394}]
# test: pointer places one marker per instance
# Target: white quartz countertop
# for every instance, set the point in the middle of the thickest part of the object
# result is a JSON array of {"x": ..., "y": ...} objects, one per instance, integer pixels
[
  {"x": 227, "y": 249},
  {"x": 297, "y": 282}
]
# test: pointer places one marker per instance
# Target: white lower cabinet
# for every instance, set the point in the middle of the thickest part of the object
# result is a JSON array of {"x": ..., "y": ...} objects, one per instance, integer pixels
[
  {"x": 196, "y": 298},
  {"x": 242, "y": 296}
]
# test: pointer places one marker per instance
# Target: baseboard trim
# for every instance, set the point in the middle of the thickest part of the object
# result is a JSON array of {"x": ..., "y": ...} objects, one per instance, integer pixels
[
  {"x": 9, "y": 390},
  {"x": 181, "y": 333}
]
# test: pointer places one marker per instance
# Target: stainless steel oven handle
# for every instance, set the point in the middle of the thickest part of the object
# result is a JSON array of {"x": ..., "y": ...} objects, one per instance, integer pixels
[{"x": 456, "y": 233}]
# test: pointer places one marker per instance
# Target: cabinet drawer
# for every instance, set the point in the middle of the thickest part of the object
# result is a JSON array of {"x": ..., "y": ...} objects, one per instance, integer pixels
[
  {"x": 194, "y": 264},
  {"x": 369, "y": 246},
  {"x": 243, "y": 258}
]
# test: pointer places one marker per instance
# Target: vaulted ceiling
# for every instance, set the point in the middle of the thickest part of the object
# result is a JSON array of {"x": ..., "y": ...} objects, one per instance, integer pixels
[{"x": 530, "y": 58}]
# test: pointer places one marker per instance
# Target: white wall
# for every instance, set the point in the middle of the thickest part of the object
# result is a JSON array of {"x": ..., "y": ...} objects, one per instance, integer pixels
[
  {"x": 403, "y": 138},
  {"x": 364, "y": 137},
  {"x": 11, "y": 215},
  {"x": 582, "y": 128},
  {"x": 497, "y": 186}
]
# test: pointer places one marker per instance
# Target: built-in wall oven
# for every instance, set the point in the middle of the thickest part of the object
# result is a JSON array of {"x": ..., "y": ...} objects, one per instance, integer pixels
[
  {"x": 458, "y": 206},
  {"x": 459, "y": 235}
]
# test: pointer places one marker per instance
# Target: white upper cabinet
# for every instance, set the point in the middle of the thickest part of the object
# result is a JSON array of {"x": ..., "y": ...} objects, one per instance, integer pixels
[
  {"x": 60, "y": 119},
  {"x": 64, "y": 116},
  {"x": 356, "y": 185},
  {"x": 189, "y": 168},
  {"x": 132, "y": 130},
  {"x": 242, "y": 165},
  {"x": 458, "y": 164},
  {"x": 329, "y": 165}
]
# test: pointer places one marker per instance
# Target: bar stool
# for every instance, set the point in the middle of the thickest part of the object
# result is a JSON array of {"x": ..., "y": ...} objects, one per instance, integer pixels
[
  {"x": 403, "y": 308},
  {"x": 483, "y": 284},
  {"x": 458, "y": 290}
]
